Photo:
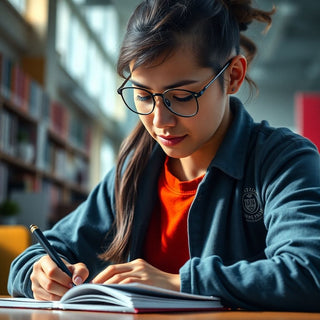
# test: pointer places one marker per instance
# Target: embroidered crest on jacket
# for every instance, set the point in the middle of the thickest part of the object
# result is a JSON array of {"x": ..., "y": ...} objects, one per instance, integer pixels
[{"x": 251, "y": 205}]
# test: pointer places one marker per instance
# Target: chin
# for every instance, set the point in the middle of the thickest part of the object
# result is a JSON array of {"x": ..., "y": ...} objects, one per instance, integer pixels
[{"x": 176, "y": 154}]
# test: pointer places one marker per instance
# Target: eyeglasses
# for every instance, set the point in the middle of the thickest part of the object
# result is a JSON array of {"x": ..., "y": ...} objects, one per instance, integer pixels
[{"x": 183, "y": 103}]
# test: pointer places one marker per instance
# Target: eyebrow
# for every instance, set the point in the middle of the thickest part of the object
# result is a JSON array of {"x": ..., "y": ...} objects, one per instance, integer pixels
[{"x": 171, "y": 86}]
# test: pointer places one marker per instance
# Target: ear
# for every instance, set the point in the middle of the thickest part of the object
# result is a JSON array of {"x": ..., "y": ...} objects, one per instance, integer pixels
[{"x": 237, "y": 73}]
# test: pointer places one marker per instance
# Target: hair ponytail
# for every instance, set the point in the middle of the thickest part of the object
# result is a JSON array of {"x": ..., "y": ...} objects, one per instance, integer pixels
[
  {"x": 245, "y": 14},
  {"x": 126, "y": 187}
]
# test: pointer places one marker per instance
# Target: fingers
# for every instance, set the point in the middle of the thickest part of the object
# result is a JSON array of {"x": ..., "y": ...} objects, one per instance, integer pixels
[
  {"x": 120, "y": 276},
  {"x": 80, "y": 273},
  {"x": 46, "y": 289},
  {"x": 113, "y": 271},
  {"x": 49, "y": 282},
  {"x": 138, "y": 271}
]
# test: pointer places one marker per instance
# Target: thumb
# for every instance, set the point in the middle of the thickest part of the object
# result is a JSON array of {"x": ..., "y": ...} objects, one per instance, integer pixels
[{"x": 80, "y": 273}]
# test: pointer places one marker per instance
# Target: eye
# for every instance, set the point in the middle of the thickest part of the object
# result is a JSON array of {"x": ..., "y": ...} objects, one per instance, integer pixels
[
  {"x": 141, "y": 95},
  {"x": 182, "y": 96},
  {"x": 143, "y": 98}
]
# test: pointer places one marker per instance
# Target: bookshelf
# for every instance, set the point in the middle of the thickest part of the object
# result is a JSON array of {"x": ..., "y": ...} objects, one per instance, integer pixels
[
  {"x": 52, "y": 127},
  {"x": 43, "y": 146}
]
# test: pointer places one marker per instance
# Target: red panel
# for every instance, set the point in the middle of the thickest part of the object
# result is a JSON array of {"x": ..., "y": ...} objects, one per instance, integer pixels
[{"x": 308, "y": 116}]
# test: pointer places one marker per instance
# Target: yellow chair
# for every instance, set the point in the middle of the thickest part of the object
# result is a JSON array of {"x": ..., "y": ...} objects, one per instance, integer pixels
[{"x": 13, "y": 240}]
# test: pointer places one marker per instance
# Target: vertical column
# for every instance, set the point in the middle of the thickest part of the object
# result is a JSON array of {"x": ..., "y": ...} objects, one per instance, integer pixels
[{"x": 307, "y": 114}]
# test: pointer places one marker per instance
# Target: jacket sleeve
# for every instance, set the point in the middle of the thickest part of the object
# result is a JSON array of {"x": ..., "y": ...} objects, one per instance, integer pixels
[
  {"x": 79, "y": 237},
  {"x": 289, "y": 277}
]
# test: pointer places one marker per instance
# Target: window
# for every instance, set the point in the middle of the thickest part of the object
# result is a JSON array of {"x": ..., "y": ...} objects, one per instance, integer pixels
[
  {"x": 20, "y": 5},
  {"x": 104, "y": 22},
  {"x": 89, "y": 59}
]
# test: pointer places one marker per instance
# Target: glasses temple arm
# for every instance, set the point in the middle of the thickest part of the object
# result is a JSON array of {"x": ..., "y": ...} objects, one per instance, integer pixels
[
  {"x": 124, "y": 83},
  {"x": 214, "y": 79}
]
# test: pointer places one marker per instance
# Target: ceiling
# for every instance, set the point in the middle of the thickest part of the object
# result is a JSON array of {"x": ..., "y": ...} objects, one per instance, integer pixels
[{"x": 288, "y": 60}]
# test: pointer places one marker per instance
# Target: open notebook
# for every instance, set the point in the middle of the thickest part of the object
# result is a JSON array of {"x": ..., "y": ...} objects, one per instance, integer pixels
[{"x": 131, "y": 298}]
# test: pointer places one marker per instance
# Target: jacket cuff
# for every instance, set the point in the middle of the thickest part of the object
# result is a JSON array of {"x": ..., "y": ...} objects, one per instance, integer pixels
[{"x": 185, "y": 278}]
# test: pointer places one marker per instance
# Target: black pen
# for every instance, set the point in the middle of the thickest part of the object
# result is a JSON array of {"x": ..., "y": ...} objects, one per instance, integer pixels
[{"x": 49, "y": 249}]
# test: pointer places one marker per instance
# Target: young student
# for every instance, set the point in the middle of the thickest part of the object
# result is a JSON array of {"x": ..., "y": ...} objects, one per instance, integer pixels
[{"x": 203, "y": 199}]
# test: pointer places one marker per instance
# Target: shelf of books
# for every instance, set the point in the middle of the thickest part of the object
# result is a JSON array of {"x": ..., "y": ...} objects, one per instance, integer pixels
[{"x": 44, "y": 146}]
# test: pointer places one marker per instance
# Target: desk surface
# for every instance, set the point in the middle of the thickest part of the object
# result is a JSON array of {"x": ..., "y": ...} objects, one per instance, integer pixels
[{"x": 24, "y": 314}]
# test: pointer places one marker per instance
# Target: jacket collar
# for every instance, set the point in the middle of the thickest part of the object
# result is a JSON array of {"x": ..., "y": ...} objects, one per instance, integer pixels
[{"x": 231, "y": 155}]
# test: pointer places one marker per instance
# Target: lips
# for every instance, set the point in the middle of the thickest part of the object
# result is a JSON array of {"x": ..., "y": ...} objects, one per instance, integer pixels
[{"x": 170, "y": 141}]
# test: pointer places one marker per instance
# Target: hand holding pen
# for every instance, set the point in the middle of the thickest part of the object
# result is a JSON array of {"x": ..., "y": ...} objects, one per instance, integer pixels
[
  {"x": 48, "y": 282},
  {"x": 49, "y": 249}
]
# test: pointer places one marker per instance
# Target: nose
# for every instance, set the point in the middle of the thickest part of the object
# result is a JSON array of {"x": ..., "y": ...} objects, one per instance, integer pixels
[{"x": 162, "y": 117}]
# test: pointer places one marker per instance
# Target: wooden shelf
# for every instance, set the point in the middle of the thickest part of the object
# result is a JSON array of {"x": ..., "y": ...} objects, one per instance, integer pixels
[
  {"x": 62, "y": 142},
  {"x": 24, "y": 115},
  {"x": 31, "y": 168},
  {"x": 63, "y": 183},
  {"x": 16, "y": 162}
]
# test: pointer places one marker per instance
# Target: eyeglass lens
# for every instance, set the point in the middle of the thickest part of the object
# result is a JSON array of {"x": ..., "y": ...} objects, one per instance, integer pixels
[{"x": 141, "y": 101}]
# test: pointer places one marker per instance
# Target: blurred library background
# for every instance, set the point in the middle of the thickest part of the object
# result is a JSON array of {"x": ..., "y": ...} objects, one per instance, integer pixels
[{"x": 61, "y": 120}]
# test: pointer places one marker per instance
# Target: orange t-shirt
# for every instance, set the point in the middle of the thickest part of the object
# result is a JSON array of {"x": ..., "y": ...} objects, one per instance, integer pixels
[{"x": 166, "y": 244}]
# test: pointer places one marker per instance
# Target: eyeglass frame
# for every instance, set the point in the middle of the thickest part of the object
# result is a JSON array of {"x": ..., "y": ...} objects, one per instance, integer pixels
[{"x": 196, "y": 95}]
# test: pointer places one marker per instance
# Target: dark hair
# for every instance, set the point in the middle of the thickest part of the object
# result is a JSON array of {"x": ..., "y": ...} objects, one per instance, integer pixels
[{"x": 213, "y": 28}]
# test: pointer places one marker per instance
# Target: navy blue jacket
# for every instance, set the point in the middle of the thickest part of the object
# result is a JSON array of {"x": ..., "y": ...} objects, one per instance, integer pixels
[{"x": 253, "y": 227}]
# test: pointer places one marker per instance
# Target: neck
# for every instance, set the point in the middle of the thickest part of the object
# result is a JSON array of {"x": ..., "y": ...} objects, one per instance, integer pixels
[{"x": 187, "y": 169}]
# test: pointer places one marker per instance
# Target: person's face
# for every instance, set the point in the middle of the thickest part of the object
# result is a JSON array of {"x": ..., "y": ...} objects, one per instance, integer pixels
[{"x": 184, "y": 137}]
